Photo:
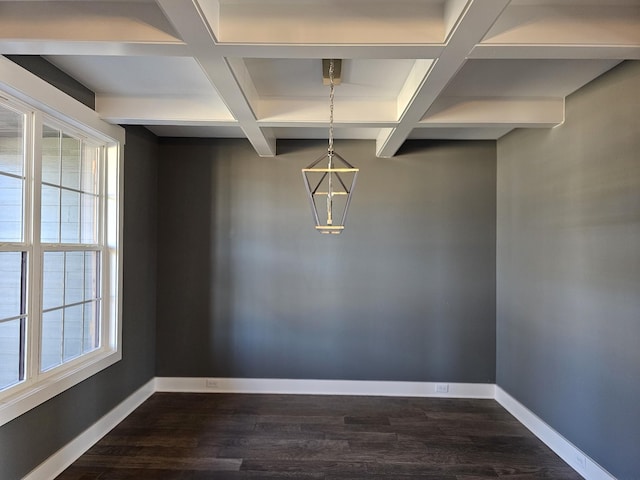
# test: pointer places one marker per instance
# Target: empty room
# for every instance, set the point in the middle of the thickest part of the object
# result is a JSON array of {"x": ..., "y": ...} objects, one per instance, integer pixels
[{"x": 319, "y": 239}]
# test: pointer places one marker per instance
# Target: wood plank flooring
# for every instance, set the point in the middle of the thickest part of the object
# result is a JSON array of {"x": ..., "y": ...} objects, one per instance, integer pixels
[{"x": 228, "y": 436}]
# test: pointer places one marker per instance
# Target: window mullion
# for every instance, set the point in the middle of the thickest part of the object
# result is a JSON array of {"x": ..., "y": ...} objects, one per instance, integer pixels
[
  {"x": 104, "y": 283},
  {"x": 24, "y": 299},
  {"x": 60, "y": 136},
  {"x": 35, "y": 257}
]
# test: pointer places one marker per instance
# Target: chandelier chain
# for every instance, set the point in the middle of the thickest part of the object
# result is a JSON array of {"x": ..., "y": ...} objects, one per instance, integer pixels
[{"x": 331, "y": 95}]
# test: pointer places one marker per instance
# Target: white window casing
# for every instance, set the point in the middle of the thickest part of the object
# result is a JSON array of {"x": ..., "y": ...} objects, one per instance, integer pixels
[{"x": 44, "y": 104}]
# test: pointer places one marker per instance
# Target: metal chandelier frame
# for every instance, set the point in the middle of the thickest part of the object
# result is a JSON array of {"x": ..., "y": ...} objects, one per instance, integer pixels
[{"x": 337, "y": 179}]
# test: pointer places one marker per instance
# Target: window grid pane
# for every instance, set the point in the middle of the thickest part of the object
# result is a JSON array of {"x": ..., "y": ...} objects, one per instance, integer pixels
[
  {"x": 12, "y": 165},
  {"x": 51, "y": 156},
  {"x": 13, "y": 310},
  {"x": 11, "y": 352},
  {"x": 71, "y": 303},
  {"x": 10, "y": 285},
  {"x": 70, "y": 195},
  {"x": 11, "y": 213},
  {"x": 91, "y": 339},
  {"x": 73, "y": 325},
  {"x": 52, "y": 329},
  {"x": 12, "y": 142},
  {"x": 70, "y": 151},
  {"x": 50, "y": 213},
  {"x": 69, "y": 217}
]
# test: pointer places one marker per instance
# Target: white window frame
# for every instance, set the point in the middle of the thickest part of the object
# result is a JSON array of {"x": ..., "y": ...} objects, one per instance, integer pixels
[{"x": 45, "y": 102}]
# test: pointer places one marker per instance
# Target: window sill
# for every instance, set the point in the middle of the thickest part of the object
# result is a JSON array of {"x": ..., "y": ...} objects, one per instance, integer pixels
[{"x": 39, "y": 392}]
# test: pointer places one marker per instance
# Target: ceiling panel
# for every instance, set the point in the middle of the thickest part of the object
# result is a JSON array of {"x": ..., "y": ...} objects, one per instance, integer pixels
[
  {"x": 85, "y": 21},
  {"x": 283, "y": 77},
  {"x": 527, "y": 78},
  {"x": 136, "y": 76},
  {"x": 568, "y": 22},
  {"x": 326, "y": 22}
]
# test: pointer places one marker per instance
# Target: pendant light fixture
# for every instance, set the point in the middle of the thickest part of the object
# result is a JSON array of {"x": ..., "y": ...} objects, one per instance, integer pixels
[{"x": 333, "y": 181}]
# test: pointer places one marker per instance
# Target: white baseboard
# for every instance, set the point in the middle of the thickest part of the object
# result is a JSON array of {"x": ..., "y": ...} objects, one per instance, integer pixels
[
  {"x": 566, "y": 450},
  {"x": 68, "y": 454},
  {"x": 325, "y": 387}
]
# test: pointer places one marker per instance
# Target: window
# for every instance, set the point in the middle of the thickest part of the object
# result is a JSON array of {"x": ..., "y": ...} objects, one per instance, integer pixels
[
  {"x": 59, "y": 250},
  {"x": 71, "y": 247}
]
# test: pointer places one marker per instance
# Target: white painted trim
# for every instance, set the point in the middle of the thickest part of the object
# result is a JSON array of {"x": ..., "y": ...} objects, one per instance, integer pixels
[
  {"x": 566, "y": 450},
  {"x": 38, "y": 392},
  {"x": 68, "y": 454},
  {"x": 323, "y": 387}
]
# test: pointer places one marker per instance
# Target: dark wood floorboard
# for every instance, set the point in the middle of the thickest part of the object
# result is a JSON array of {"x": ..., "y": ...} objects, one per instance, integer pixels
[{"x": 178, "y": 436}]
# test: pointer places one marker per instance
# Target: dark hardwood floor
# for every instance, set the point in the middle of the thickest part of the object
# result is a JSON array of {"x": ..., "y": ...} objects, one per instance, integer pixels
[{"x": 202, "y": 436}]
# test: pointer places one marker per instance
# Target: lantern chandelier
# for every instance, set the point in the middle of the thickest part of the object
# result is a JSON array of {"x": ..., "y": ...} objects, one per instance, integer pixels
[{"x": 333, "y": 182}]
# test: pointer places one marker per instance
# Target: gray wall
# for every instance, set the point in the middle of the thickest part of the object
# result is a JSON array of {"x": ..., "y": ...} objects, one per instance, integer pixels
[
  {"x": 247, "y": 288},
  {"x": 31, "y": 438},
  {"x": 568, "y": 268}
]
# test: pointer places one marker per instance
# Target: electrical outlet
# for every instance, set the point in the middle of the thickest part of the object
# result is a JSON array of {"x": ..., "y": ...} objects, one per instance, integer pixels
[
  {"x": 212, "y": 383},
  {"x": 442, "y": 388},
  {"x": 581, "y": 461}
]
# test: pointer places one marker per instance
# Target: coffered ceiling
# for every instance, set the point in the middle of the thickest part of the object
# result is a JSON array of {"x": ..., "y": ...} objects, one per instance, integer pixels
[{"x": 428, "y": 69}]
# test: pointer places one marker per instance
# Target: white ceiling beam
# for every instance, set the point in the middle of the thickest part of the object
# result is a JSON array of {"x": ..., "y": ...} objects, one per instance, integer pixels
[
  {"x": 162, "y": 109},
  {"x": 339, "y": 126},
  {"x": 319, "y": 133},
  {"x": 194, "y": 30},
  {"x": 412, "y": 85},
  {"x": 468, "y": 112},
  {"x": 474, "y": 23},
  {"x": 225, "y": 82},
  {"x": 453, "y": 10},
  {"x": 197, "y": 131},
  {"x": 437, "y": 132},
  {"x": 101, "y": 48},
  {"x": 359, "y": 110},
  {"x": 561, "y": 52},
  {"x": 373, "y": 51}
]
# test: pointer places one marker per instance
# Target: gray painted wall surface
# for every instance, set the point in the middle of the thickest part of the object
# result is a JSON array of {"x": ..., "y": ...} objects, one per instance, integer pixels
[
  {"x": 568, "y": 268},
  {"x": 31, "y": 438},
  {"x": 247, "y": 288}
]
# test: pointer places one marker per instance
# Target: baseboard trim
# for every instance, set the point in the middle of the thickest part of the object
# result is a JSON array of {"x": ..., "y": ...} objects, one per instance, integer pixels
[
  {"x": 566, "y": 450},
  {"x": 68, "y": 454},
  {"x": 325, "y": 387}
]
